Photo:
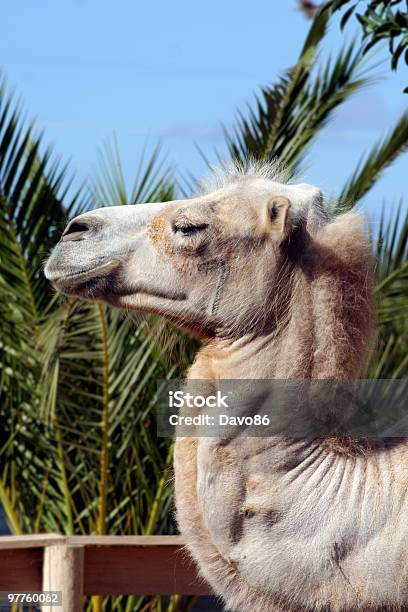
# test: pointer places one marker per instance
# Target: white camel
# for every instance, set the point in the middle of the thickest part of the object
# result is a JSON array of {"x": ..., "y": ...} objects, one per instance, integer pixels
[{"x": 276, "y": 289}]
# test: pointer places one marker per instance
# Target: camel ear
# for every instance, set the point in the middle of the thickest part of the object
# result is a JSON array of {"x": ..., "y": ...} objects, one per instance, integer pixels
[{"x": 278, "y": 216}]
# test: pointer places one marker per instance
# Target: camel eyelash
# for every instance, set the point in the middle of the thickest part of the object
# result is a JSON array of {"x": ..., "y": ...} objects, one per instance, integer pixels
[{"x": 186, "y": 228}]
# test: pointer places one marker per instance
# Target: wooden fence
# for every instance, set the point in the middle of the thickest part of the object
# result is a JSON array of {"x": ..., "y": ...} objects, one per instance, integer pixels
[{"x": 97, "y": 565}]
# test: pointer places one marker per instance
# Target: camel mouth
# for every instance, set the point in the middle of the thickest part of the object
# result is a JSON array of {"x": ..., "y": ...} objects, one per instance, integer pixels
[{"x": 66, "y": 281}]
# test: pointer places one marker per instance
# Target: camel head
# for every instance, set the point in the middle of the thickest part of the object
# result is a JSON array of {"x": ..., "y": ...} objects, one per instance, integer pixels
[
  {"x": 246, "y": 254},
  {"x": 210, "y": 264}
]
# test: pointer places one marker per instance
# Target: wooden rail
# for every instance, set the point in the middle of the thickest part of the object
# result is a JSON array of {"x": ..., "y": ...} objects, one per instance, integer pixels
[{"x": 97, "y": 565}]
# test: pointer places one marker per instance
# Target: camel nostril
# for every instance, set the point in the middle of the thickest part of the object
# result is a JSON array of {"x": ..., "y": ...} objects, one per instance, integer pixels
[{"x": 75, "y": 230}]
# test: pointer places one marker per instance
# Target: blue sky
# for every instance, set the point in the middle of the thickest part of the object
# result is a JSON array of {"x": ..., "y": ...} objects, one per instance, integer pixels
[{"x": 175, "y": 73}]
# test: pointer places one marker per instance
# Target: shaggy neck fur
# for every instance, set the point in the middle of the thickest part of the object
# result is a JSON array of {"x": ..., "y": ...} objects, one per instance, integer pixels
[{"x": 326, "y": 325}]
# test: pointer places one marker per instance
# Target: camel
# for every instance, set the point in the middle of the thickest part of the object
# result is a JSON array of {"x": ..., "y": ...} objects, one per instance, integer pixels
[{"x": 276, "y": 288}]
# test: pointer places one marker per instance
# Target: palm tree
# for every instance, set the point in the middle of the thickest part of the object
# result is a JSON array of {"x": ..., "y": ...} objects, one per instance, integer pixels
[{"x": 78, "y": 382}]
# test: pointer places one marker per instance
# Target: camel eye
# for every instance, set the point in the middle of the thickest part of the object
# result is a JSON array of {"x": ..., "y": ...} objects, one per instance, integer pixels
[{"x": 186, "y": 228}]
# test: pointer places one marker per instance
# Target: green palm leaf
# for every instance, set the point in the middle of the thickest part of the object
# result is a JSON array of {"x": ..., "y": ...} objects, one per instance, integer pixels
[
  {"x": 389, "y": 359},
  {"x": 153, "y": 181},
  {"x": 30, "y": 212},
  {"x": 289, "y": 115},
  {"x": 32, "y": 188},
  {"x": 370, "y": 168}
]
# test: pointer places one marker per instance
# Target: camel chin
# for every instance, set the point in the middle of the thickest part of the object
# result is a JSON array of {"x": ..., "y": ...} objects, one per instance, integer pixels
[
  {"x": 277, "y": 289},
  {"x": 84, "y": 283}
]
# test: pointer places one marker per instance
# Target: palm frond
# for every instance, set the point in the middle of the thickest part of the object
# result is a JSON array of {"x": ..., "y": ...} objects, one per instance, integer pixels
[
  {"x": 390, "y": 356},
  {"x": 289, "y": 115},
  {"x": 32, "y": 187},
  {"x": 370, "y": 168},
  {"x": 153, "y": 181}
]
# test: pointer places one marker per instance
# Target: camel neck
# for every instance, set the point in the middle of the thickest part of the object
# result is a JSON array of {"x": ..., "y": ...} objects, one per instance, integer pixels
[{"x": 279, "y": 356}]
